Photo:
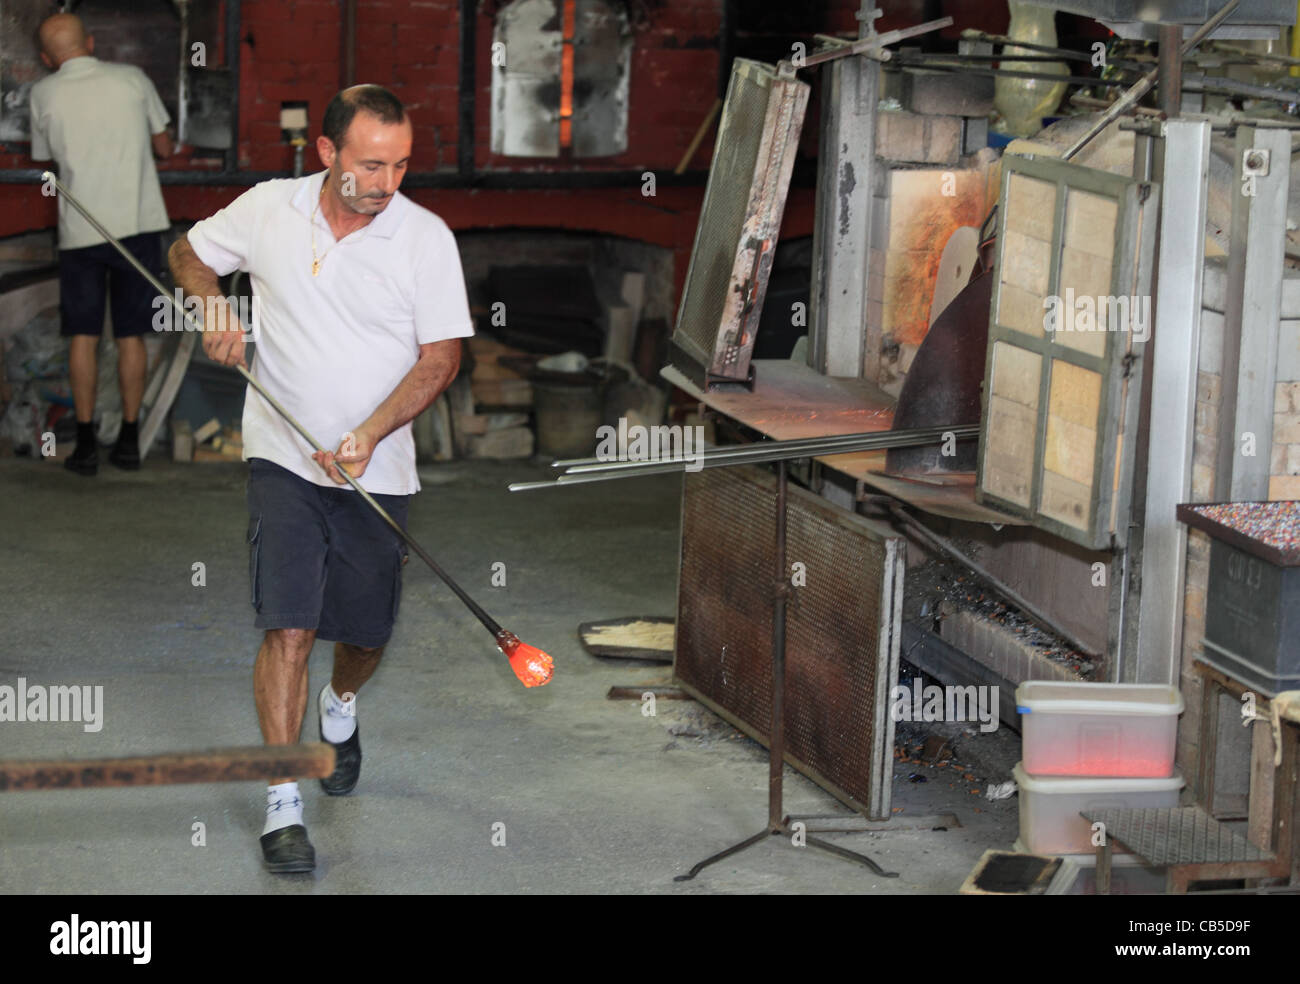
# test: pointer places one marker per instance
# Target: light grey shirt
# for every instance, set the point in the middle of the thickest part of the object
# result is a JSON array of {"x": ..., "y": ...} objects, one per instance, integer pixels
[{"x": 95, "y": 119}]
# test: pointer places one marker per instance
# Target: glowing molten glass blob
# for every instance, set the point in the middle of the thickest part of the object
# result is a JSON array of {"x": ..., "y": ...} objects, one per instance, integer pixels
[{"x": 533, "y": 667}]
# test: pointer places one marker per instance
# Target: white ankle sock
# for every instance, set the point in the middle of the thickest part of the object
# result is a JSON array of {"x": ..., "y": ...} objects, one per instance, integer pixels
[
  {"x": 338, "y": 718},
  {"x": 283, "y": 806}
]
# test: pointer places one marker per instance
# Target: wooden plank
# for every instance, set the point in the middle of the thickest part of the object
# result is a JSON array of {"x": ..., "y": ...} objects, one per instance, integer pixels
[
  {"x": 1090, "y": 222},
  {"x": 1021, "y": 310},
  {"x": 1026, "y": 263},
  {"x": 1031, "y": 206},
  {"x": 1009, "y": 450},
  {"x": 1259, "y": 829},
  {"x": 955, "y": 500},
  {"x": 502, "y": 392},
  {"x": 240, "y": 764},
  {"x": 640, "y": 637},
  {"x": 1016, "y": 374},
  {"x": 1208, "y": 740},
  {"x": 1065, "y": 501}
]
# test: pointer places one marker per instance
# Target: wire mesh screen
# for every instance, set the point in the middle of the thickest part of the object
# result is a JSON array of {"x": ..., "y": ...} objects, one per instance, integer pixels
[{"x": 842, "y": 626}]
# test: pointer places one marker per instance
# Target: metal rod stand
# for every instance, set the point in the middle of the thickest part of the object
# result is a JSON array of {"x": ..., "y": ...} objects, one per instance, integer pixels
[{"x": 778, "y": 823}]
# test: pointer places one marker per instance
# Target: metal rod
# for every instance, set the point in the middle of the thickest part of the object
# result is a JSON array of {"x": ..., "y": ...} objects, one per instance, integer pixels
[
  {"x": 777, "y": 450},
  {"x": 759, "y": 454},
  {"x": 1144, "y": 84},
  {"x": 242, "y": 764},
  {"x": 1013, "y": 596},
  {"x": 1065, "y": 53},
  {"x": 1088, "y": 80},
  {"x": 1219, "y": 121},
  {"x": 809, "y": 445},
  {"x": 776, "y": 758},
  {"x": 878, "y": 41},
  {"x": 1171, "y": 69},
  {"x": 488, "y": 621}
]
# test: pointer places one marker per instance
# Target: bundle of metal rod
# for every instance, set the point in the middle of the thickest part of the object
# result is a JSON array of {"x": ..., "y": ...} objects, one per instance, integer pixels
[
  {"x": 244, "y": 764},
  {"x": 946, "y": 64},
  {"x": 580, "y": 471},
  {"x": 1144, "y": 84}
]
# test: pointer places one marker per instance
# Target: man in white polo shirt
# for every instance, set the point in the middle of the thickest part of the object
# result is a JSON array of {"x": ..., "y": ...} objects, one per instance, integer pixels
[
  {"x": 361, "y": 310},
  {"x": 100, "y": 122}
]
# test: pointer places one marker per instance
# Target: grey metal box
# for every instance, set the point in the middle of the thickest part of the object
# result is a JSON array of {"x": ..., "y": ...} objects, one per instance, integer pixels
[{"x": 1252, "y": 608}]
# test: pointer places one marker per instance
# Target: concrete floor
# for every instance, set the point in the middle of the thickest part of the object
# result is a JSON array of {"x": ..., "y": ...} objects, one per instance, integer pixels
[{"x": 594, "y": 796}]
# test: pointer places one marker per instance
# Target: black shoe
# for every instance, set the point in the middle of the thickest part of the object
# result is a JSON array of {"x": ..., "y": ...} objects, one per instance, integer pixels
[
  {"x": 126, "y": 456},
  {"x": 347, "y": 765},
  {"x": 288, "y": 850},
  {"x": 86, "y": 463}
]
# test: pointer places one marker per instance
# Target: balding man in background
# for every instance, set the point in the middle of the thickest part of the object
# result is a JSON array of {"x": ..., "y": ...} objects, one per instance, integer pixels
[{"x": 100, "y": 122}]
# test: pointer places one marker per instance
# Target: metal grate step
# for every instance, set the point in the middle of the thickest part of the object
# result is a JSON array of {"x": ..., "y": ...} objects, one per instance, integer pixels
[{"x": 1176, "y": 835}]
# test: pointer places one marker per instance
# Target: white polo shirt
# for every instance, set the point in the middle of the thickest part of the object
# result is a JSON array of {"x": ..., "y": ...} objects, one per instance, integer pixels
[
  {"x": 331, "y": 348},
  {"x": 95, "y": 119}
]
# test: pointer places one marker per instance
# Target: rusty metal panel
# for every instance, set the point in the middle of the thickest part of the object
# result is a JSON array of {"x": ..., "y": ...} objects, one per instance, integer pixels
[
  {"x": 843, "y": 627},
  {"x": 735, "y": 241}
]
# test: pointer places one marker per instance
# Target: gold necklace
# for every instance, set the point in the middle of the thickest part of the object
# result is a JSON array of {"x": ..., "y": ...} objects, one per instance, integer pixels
[{"x": 317, "y": 261}]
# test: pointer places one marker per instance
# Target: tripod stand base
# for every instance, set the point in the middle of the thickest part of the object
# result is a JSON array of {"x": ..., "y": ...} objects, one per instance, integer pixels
[{"x": 784, "y": 828}]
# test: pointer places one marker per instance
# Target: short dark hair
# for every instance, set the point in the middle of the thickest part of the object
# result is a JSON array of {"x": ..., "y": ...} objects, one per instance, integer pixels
[{"x": 373, "y": 99}]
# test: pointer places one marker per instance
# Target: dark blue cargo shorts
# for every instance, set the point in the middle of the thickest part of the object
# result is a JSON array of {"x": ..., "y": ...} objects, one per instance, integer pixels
[{"x": 321, "y": 558}]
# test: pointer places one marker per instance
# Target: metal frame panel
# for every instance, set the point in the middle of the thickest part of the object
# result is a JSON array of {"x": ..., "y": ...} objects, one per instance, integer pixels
[
  {"x": 840, "y": 342},
  {"x": 1251, "y": 326},
  {"x": 1118, "y": 366},
  {"x": 1185, "y": 188},
  {"x": 717, "y": 320}
]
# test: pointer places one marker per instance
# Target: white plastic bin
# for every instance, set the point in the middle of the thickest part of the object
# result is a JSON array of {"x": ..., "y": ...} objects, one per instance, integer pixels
[
  {"x": 1125, "y": 730},
  {"x": 1050, "y": 805}
]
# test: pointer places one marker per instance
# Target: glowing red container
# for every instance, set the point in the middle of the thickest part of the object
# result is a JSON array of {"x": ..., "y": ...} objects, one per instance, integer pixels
[{"x": 1119, "y": 730}]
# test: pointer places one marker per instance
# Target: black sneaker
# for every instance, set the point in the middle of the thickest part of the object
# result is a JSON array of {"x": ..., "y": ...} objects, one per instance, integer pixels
[
  {"x": 126, "y": 456},
  {"x": 82, "y": 462},
  {"x": 347, "y": 765},
  {"x": 288, "y": 850}
]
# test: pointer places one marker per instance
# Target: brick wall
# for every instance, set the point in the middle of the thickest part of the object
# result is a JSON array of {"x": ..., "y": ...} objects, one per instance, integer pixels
[{"x": 290, "y": 50}]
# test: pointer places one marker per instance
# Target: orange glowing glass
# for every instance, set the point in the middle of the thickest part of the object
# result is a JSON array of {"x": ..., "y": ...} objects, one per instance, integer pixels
[
  {"x": 566, "y": 75},
  {"x": 533, "y": 667}
]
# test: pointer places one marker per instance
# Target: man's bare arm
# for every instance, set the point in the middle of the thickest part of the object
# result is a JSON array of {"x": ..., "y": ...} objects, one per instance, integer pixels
[
  {"x": 195, "y": 277},
  {"x": 163, "y": 146},
  {"x": 431, "y": 374}
]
